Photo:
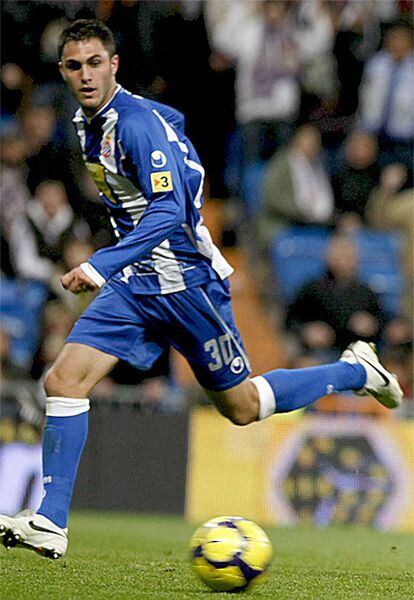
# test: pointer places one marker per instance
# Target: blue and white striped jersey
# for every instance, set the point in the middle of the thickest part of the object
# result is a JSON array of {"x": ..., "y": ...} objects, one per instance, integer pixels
[{"x": 150, "y": 178}]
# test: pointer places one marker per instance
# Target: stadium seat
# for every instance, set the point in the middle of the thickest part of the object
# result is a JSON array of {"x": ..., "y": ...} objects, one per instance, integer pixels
[
  {"x": 380, "y": 266},
  {"x": 243, "y": 181},
  {"x": 251, "y": 187},
  {"x": 21, "y": 304},
  {"x": 297, "y": 256}
]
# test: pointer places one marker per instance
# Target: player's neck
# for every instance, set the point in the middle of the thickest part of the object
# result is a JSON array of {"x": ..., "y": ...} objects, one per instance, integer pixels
[{"x": 92, "y": 112}]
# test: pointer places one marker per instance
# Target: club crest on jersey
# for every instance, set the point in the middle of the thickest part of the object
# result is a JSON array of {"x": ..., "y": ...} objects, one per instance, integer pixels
[
  {"x": 158, "y": 159},
  {"x": 106, "y": 147},
  {"x": 161, "y": 181}
]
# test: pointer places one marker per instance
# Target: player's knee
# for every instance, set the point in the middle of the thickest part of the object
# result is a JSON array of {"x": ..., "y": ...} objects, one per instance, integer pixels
[
  {"x": 241, "y": 416},
  {"x": 244, "y": 405},
  {"x": 239, "y": 404},
  {"x": 240, "y": 420},
  {"x": 58, "y": 383},
  {"x": 53, "y": 383}
]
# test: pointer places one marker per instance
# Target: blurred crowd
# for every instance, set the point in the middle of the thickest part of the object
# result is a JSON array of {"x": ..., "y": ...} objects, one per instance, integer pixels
[{"x": 302, "y": 113}]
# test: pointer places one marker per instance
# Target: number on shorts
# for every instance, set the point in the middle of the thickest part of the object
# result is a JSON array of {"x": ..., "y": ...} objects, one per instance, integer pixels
[{"x": 220, "y": 352}]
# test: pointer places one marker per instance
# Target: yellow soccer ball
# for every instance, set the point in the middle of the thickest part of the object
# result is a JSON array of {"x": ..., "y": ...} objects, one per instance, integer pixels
[{"x": 230, "y": 554}]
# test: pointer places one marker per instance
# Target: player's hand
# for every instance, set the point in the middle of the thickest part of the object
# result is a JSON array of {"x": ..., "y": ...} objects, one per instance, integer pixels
[{"x": 77, "y": 281}]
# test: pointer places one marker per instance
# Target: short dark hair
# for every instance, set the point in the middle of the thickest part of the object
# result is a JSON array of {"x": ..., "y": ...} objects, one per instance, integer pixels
[{"x": 86, "y": 29}]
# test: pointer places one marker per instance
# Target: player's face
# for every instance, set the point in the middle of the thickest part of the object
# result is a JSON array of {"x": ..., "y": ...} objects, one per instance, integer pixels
[{"x": 89, "y": 72}]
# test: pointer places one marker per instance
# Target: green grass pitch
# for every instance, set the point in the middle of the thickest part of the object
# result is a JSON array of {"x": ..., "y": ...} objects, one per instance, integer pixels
[{"x": 126, "y": 556}]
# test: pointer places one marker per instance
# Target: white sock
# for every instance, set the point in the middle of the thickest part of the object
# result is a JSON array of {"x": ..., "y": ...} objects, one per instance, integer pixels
[
  {"x": 57, "y": 406},
  {"x": 267, "y": 400}
]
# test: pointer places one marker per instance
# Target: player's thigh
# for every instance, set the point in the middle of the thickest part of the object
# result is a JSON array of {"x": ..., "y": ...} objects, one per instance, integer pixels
[
  {"x": 114, "y": 324},
  {"x": 77, "y": 369},
  {"x": 199, "y": 323},
  {"x": 240, "y": 403}
]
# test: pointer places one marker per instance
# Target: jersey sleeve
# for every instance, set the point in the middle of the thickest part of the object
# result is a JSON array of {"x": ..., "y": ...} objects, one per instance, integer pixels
[
  {"x": 149, "y": 154},
  {"x": 171, "y": 115}
]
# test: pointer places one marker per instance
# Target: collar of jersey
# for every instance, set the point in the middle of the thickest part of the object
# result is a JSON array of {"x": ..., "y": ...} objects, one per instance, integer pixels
[{"x": 101, "y": 110}]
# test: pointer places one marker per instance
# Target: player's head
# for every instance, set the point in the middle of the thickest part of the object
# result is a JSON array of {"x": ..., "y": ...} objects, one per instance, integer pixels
[{"x": 88, "y": 63}]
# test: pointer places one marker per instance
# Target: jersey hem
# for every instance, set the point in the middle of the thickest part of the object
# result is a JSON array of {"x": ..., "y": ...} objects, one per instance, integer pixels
[
  {"x": 225, "y": 386},
  {"x": 140, "y": 291},
  {"x": 120, "y": 355}
]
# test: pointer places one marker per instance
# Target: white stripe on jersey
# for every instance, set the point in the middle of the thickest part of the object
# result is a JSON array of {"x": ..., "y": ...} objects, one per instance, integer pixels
[
  {"x": 172, "y": 137},
  {"x": 80, "y": 130},
  {"x": 115, "y": 226},
  {"x": 207, "y": 248},
  {"x": 197, "y": 167},
  {"x": 226, "y": 328},
  {"x": 170, "y": 277},
  {"x": 107, "y": 159},
  {"x": 125, "y": 191},
  {"x": 130, "y": 198}
]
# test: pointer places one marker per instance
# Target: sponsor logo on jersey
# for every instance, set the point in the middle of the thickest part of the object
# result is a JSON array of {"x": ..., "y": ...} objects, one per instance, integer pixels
[
  {"x": 161, "y": 181},
  {"x": 237, "y": 365},
  {"x": 106, "y": 147},
  {"x": 158, "y": 159}
]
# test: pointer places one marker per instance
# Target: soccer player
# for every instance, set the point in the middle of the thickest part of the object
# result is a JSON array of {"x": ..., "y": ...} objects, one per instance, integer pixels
[{"x": 163, "y": 283}]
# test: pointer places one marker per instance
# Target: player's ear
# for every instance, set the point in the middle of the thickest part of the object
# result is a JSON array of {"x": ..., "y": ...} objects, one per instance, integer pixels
[
  {"x": 114, "y": 64},
  {"x": 61, "y": 70}
]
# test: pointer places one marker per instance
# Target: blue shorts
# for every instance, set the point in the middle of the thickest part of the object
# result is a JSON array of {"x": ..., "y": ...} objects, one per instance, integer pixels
[{"x": 198, "y": 322}]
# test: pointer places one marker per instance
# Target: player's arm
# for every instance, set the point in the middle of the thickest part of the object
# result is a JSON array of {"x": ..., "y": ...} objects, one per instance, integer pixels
[{"x": 163, "y": 188}]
